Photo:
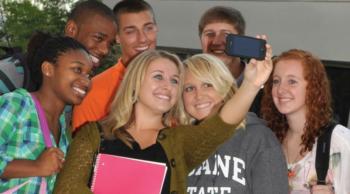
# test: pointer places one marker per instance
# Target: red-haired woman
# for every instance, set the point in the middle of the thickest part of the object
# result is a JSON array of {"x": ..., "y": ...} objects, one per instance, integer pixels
[{"x": 297, "y": 106}]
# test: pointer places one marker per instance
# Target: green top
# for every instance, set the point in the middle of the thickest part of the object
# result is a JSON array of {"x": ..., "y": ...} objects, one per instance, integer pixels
[
  {"x": 21, "y": 138},
  {"x": 186, "y": 147}
]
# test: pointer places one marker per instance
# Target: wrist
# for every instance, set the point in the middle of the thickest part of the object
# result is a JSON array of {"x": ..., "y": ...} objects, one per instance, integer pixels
[
  {"x": 37, "y": 168},
  {"x": 250, "y": 86}
]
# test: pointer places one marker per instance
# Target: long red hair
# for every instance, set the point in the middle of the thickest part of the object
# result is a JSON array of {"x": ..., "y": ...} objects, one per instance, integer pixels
[{"x": 317, "y": 99}]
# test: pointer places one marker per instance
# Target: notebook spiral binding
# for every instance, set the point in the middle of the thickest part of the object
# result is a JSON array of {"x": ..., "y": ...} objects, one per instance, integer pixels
[{"x": 97, "y": 161}]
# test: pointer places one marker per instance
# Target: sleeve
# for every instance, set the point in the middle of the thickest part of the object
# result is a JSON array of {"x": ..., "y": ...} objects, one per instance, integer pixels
[
  {"x": 269, "y": 172},
  {"x": 9, "y": 117},
  {"x": 340, "y": 159},
  {"x": 200, "y": 141},
  {"x": 76, "y": 172},
  {"x": 95, "y": 104}
]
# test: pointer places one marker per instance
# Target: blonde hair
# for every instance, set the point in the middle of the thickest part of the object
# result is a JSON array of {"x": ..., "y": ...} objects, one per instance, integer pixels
[
  {"x": 210, "y": 69},
  {"x": 121, "y": 111}
]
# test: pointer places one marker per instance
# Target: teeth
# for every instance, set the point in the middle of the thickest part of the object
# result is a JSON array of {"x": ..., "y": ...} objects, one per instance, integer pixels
[
  {"x": 202, "y": 105},
  {"x": 163, "y": 97},
  {"x": 284, "y": 99},
  {"x": 94, "y": 59},
  {"x": 142, "y": 48},
  {"x": 218, "y": 51},
  {"x": 80, "y": 91}
]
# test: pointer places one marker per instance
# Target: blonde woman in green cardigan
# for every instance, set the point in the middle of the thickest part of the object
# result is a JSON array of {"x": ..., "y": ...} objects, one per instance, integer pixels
[{"x": 141, "y": 121}]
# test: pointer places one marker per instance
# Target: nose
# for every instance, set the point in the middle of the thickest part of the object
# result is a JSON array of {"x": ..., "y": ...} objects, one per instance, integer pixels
[
  {"x": 103, "y": 48},
  {"x": 219, "y": 39},
  {"x": 281, "y": 88},
  {"x": 199, "y": 94},
  {"x": 142, "y": 37}
]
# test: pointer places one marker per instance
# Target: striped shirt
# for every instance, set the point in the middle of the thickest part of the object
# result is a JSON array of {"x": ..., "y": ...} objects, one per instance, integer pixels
[{"x": 21, "y": 138}]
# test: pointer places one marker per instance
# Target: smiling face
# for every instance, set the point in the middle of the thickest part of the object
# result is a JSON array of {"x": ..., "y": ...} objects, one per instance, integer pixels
[
  {"x": 70, "y": 77},
  {"x": 289, "y": 87},
  {"x": 137, "y": 32},
  {"x": 213, "y": 40},
  {"x": 159, "y": 88},
  {"x": 97, "y": 34},
  {"x": 199, "y": 97}
]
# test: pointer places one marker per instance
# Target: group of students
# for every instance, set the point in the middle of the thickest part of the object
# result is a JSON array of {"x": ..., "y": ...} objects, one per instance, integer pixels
[{"x": 191, "y": 115}]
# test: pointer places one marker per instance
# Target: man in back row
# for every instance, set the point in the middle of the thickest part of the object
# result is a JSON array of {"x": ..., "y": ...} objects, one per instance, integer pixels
[
  {"x": 213, "y": 28},
  {"x": 137, "y": 32},
  {"x": 92, "y": 23}
]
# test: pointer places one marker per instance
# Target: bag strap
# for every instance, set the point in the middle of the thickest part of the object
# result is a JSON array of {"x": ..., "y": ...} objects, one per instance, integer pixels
[
  {"x": 42, "y": 189},
  {"x": 322, "y": 153},
  {"x": 43, "y": 123}
]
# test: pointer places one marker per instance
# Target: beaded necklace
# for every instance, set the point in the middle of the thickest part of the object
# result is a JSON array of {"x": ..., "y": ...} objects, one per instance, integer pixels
[{"x": 290, "y": 163}]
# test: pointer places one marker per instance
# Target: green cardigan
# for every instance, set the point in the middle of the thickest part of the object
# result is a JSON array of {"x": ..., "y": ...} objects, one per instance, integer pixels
[{"x": 186, "y": 147}]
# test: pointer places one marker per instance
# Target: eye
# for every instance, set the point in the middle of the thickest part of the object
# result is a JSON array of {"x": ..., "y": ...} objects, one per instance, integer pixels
[
  {"x": 158, "y": 77},
  {"x": 226, "y": 34},
  {"x": 275, "y": 81},
  {"x": 174, "y": 81},
  {"x": 207, "y": 85},
  {"x": 292, "y": 82},
  {"x": 209, "y": 34},
  {"x": 188, "y": 89},
  {"x": 98, "y": 38},
  {"x": 77, "y": 70},
  {"x": 131, "y": 31},
  {"x": 150, "y": 28}
]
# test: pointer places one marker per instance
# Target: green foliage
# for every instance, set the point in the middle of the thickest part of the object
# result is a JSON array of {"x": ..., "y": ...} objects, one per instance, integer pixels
[{"x": 21, "y": 18}]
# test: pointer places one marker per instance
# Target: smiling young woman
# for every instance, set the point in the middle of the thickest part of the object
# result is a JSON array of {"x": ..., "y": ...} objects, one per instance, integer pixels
[
  {"x": 33, "y": 134},
  {"x": 297, "y": 106}
]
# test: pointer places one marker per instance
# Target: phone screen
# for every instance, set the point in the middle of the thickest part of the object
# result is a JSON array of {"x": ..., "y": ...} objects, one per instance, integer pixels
[{"x": 245, "y": 46}]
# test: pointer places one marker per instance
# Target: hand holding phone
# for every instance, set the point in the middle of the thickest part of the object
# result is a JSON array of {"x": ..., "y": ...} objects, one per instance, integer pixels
[
  {"x": 245, "y": 47},
  {"x": 258, "y": 71}
]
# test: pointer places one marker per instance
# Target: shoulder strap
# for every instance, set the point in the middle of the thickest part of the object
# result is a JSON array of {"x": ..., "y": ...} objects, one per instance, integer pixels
[
  {"x": 322, "y": 153},
  {"x": 43, "y": 123}
]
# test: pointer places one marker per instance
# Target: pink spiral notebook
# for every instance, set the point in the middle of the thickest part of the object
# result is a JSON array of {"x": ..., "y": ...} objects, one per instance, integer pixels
[{"x": 116, "y": 174}]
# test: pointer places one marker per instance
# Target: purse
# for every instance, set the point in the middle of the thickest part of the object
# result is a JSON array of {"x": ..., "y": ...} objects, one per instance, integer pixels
[{"x": 46, "y": 134}]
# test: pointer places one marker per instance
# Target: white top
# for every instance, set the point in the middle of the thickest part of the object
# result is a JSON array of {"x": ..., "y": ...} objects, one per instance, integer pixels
[
  {"x": 349, "y": 120},
  {"x": 339, "y": 165}
]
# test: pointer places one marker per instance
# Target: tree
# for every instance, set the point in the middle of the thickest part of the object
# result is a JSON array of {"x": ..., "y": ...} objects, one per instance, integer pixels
[{"x": 21, "y": 18}]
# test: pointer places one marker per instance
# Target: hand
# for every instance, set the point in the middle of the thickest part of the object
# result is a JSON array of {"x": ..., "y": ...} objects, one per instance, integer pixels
[
  {"x": 50, "y": 161},
  {"x": 322, "y": 189},
  {"x": 257, "y": 72}
]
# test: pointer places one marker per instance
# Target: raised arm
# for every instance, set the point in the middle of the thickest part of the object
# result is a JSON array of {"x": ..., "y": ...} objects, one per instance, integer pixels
[{"x": 256, "y": 74}]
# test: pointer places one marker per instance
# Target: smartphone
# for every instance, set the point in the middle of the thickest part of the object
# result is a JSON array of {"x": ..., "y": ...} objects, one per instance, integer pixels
[{"x": 245, "y": 47}]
